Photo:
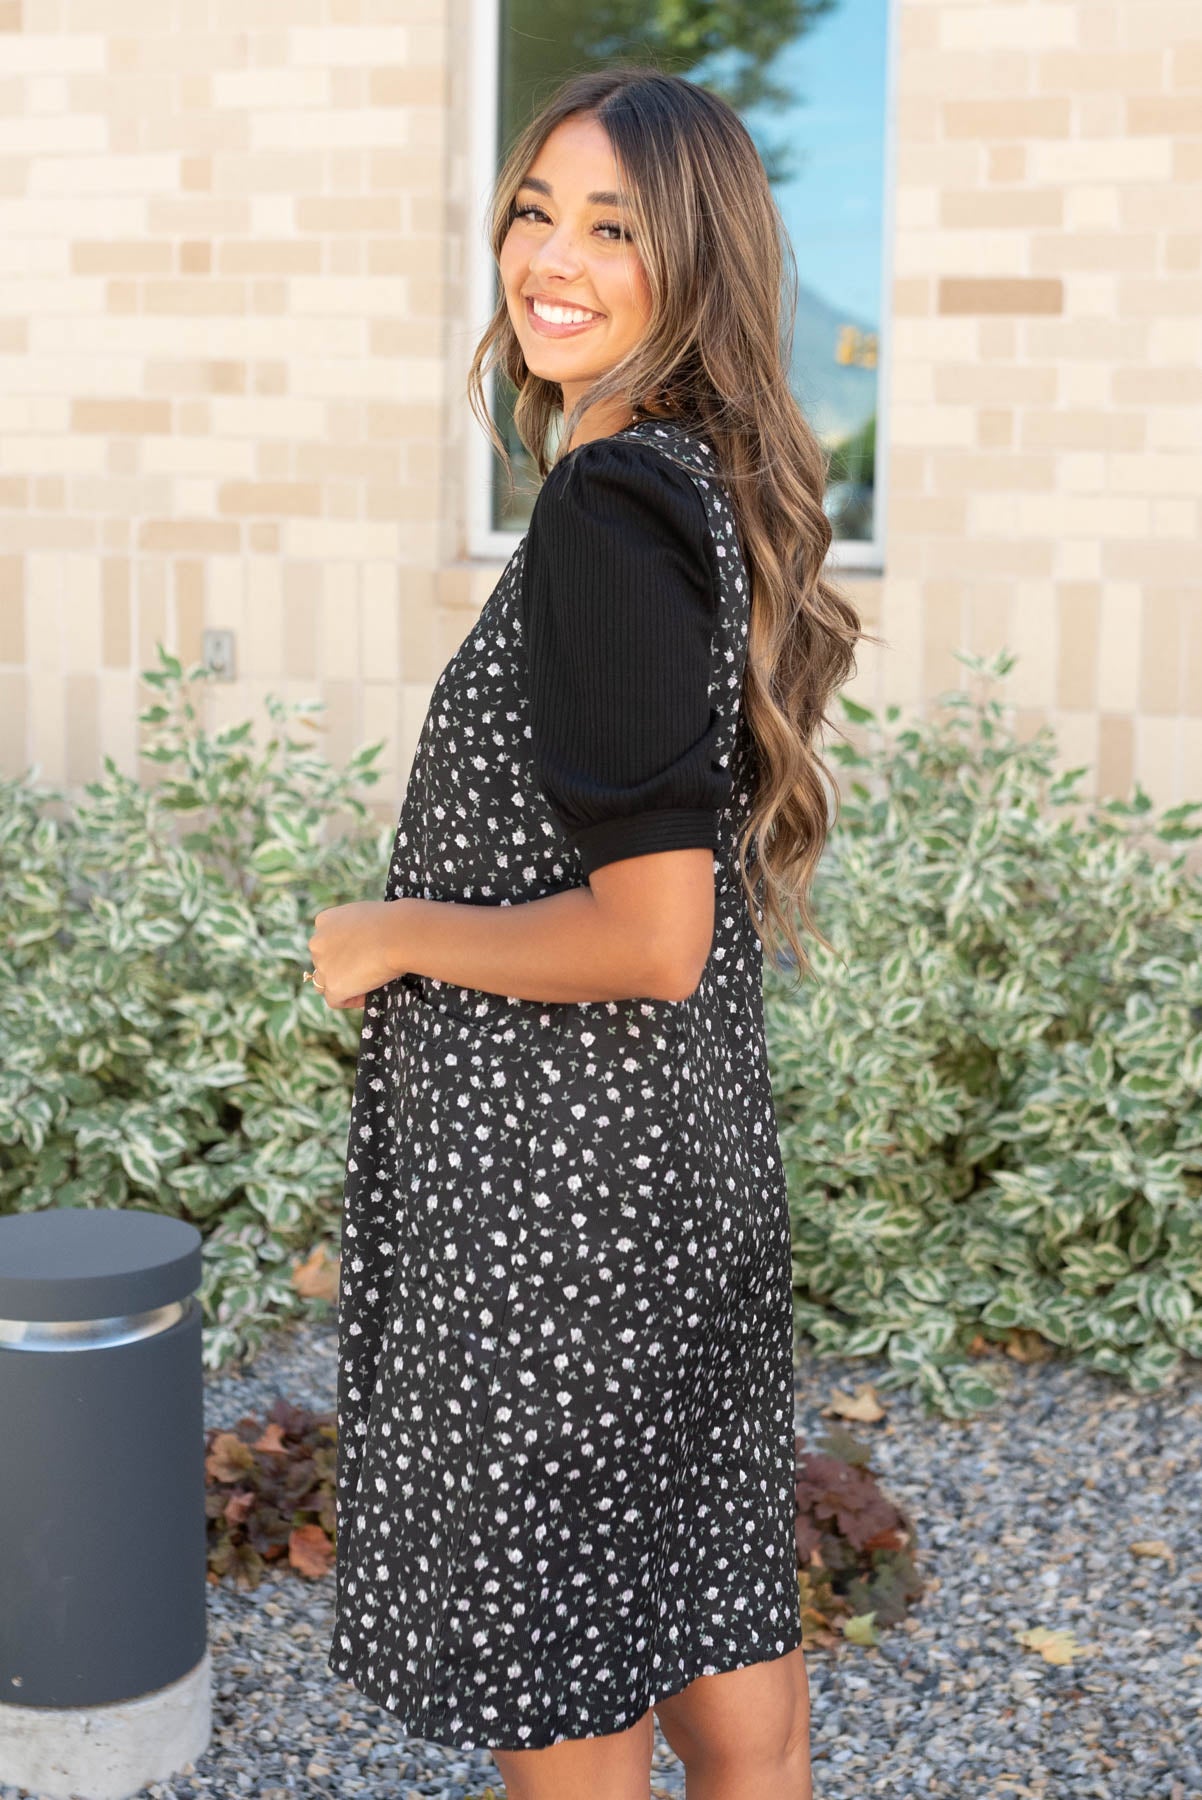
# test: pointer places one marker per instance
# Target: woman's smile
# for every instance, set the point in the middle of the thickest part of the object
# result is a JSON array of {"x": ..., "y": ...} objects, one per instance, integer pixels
[{"x": 564, "y": 322}]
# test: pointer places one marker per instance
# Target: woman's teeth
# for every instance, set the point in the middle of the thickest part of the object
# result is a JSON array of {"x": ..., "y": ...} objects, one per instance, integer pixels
[{"x": 561, "y": 315}]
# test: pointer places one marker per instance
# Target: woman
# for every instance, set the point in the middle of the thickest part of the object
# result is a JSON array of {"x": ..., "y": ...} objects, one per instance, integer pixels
[{"x": 565, "y": 1484}]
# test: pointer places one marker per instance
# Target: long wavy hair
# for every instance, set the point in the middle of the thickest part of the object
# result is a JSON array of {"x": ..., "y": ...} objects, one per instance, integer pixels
[{"x": 715, "y": 355}]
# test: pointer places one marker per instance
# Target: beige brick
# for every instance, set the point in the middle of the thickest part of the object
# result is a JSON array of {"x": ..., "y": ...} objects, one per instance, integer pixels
[
  {"x": 1121, "y": 159},
  {"x": 133, "y": 417},
  {"x": 1158, "y": 758},
  {"x": 302, "y": 584},
  {"x": 276, "y": 498},
  {"x": 339, "y": 722},
  {"x": 116, "y": 723},
  {"x": 1080, "y": 72},
  {"x": 997, "y": 295},
  {"x": 380, "y": 610},
  {"x": 987, "y": 618},
  {"x": 1065, "y": 429},
  {"x": 1185, "y": 62},
  {"x": 338, "y": 623},
  {"x": 1119, "y": 624},
  {"x": 82, "y": 750},
  {"x": 1018, "y": 209},
  {"x": 1007, "y": 119},
  {"x": 942, "y": 635},
  {"x": 116, "y": 613},
  {"x": 1077, "y": 740},
  {"x": 1082, "y": 472},
  {"x": 266, "y": 257},
  {"x": 1191, "y": 670},
  {"x": 1162, "y": 643},
  {"x": 977, "y": 473},
  {"x": 1175, "y": 115},
  {"x": 995, "y": 428},
  {"x": 1076, "y": 668},
  {"x": 189, "y": 609},
  {"x": 262, "y": 648},
  {"x": 138, "y": 258},
  {"x": 198, "y": 537},
  {"x": 1183, "y": 252},
  {"x": 12, "y": 610},
  {"x": 994, "y": 27},
  {"x": 81, "y": 614},
  {"x": 1078, "y": 249},
  {"x": 1006, "y": 162},
  {"x": 1116, "y": 755},
  {"x": 1100, "y": 208},
  {"x": 14, "y": 723},
  {"x": 1172, "y": 296}
]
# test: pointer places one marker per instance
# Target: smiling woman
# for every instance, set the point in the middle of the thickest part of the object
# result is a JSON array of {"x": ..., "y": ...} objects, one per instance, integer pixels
[{"x": 565, "y": 1496}]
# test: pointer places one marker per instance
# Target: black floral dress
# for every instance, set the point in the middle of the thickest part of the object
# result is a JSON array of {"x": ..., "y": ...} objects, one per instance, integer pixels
[{"x": 565, "y": 1386}]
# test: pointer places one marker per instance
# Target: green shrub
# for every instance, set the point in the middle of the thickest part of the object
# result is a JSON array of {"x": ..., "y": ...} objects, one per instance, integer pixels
[
  {"x": 158, "y": 1047},
  {"x": 990, "y": 1097}
]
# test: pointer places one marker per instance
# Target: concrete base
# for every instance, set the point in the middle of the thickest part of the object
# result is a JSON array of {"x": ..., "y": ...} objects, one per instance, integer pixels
[{"x": 107, "y": 1752}]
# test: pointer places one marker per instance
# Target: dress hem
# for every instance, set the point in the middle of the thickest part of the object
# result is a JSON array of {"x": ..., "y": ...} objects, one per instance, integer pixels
[{"x": 469, "y": 1740}]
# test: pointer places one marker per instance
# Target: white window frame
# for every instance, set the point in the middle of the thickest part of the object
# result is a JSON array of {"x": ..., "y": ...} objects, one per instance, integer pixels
[{"x": 486, "y": 544}]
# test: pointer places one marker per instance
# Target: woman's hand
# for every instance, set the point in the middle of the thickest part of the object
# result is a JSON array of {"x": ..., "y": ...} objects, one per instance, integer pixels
[{"x": 354, "y": 950}]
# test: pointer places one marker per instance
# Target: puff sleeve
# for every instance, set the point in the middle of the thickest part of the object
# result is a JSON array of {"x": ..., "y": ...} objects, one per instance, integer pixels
[{"x": 619, "y": 606}]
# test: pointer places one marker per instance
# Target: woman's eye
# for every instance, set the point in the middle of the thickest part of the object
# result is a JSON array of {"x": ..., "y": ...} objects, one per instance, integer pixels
[{"x": 525, "y": 212}]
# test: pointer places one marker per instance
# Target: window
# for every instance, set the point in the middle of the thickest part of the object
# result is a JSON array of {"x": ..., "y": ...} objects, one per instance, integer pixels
[{"x": 812, "y": 82}]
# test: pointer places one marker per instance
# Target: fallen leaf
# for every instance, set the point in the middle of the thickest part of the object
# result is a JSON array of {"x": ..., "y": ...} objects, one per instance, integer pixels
[
  {"x": 317, "y": 1277},
  {"x": 228, "y": 1457},
  {"x": 1154, "y": 1547},
  {"x": 863, "y": 1405},
  {"x": 1028, "y": 1346},
  {"x": 861, "y": 1629},
  {"x": 310, "y": 1551},
  {"x": 1059, "y": 1647},
  {"x": 272, "y": 1440}
]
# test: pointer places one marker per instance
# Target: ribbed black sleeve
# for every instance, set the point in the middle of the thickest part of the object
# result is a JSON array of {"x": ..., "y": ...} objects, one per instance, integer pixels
[{"x": 619, "y": 606}]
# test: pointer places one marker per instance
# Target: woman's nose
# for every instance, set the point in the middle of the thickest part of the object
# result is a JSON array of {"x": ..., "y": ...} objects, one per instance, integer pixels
[{"x": 556, "y": 256}]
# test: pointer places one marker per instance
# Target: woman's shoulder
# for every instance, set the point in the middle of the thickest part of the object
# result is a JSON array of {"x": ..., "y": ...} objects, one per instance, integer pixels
[{"x": 621, "y": 480}]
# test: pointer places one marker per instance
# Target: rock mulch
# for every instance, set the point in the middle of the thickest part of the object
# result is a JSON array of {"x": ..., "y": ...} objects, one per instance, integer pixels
[{"x": 1026, "y": 1516}]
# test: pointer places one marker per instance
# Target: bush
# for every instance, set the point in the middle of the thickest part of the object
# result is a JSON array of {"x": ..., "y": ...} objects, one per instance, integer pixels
[
  {"x": 269, "y": 1494},
  {"x": 990, "y": 1098},
  {"x": 158, "y": 1047},
  {"x": 855, "y": 1547}
]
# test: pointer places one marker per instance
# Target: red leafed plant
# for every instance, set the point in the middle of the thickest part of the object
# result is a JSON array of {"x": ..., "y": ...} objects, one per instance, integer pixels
[
  {"x": 854, "y": 1545},
  {"x": 270, "y": 1494}
]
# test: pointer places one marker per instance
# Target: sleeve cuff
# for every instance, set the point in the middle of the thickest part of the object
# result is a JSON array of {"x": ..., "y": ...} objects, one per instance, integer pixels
[{"x": 642, "y": 834}]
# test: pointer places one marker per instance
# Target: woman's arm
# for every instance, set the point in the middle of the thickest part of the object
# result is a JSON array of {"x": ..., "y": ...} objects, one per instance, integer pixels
[
  {"x": 619, "y": 603},
  {"x": 642, "y": 927}
]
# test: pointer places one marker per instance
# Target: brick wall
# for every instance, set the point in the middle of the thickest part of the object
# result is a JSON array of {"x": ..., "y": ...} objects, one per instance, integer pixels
[
  {"x": 234, "y": 333},
  {"x": 1046, "y": 420}
]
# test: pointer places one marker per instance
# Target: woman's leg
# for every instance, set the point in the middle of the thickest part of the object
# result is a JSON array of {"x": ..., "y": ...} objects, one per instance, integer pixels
[
  {"x": 614, "y": 1767},
  {"x": 744, "y": 1733}
]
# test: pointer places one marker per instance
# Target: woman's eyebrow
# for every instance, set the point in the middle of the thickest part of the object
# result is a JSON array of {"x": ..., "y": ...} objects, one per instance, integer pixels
[{"x": 602, "y": 197}]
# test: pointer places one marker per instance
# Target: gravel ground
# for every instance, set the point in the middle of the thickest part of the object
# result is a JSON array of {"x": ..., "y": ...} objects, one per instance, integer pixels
[{"x": 1025, "y": 1517}]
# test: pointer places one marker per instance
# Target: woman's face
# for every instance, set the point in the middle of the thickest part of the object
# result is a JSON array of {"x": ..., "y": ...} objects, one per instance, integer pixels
[{"x": 570, "y": 249}]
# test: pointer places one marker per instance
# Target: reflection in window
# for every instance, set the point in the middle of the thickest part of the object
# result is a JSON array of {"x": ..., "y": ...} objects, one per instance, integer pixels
[{"x": 808, "y": 79}]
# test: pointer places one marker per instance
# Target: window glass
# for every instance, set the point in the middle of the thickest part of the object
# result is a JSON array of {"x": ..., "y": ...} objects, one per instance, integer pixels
[{"x": 808, "y": 79}]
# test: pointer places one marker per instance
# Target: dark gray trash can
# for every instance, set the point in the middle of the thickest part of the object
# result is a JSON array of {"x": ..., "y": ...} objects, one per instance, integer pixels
[{"x": 104, "y": 1670}]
